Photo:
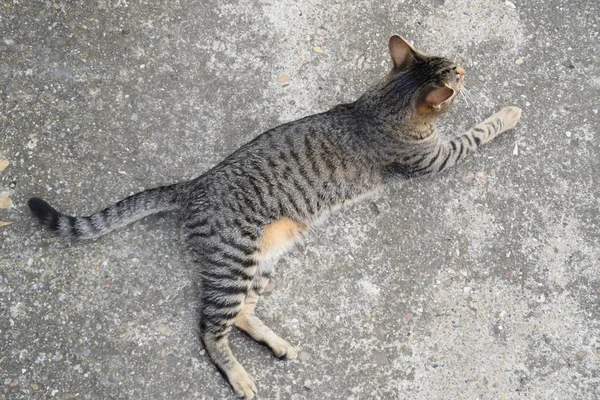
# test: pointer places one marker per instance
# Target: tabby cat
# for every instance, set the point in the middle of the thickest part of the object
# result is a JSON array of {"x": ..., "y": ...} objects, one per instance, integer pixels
[{"x": 243, "y": 214}]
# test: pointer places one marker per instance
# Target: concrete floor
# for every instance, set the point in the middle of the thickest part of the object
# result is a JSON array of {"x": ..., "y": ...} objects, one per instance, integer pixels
[{"x": 482, "y": 283}]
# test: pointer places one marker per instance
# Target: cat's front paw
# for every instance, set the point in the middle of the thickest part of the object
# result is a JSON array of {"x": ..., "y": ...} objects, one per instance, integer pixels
[{"x": 508, "y": 116}]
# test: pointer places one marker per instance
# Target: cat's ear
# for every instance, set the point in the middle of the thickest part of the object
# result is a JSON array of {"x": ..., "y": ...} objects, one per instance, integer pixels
[
  {"x": 434, "y": 99},
  {"x": 401, "y": 53}
]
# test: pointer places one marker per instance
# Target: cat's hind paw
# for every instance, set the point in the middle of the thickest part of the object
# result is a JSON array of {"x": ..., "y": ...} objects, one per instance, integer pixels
[
  {"x": 243, "y": 384},
  {"x": 281, "y": 348}
]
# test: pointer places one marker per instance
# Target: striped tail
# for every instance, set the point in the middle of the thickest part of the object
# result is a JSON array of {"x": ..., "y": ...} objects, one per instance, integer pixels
[{"x": 116, "y": 216}]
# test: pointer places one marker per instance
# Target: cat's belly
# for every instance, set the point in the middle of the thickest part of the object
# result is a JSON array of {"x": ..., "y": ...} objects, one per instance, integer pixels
[
  {"x": 282, "y": 234},
  {"x": 278, "y": 237}
]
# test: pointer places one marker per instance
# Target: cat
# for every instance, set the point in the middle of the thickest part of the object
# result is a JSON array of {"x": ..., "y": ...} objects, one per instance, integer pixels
[{"x": 242, "y": 215}]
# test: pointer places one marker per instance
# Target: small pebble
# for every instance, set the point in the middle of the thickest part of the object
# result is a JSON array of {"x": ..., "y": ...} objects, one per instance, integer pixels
[
  {"x": 172, "y": 360},
  {"x": 360, "y": 62},
  {"x": 32, "y": 144},
  {"x": 322, "y": 32},
  {"x": 516, "y": 150},
  {"x": 481, "y": 78},
  {"x": 381, "y": 359},
  {"x": 5, "y": 202},
  {"x": 519, "y": 61},
  {"x": 164, "y": 330},
  {"x": 542, "y": 298},
  {"x": 510, "y": 4},
  {"x": 568, "y": 133}
]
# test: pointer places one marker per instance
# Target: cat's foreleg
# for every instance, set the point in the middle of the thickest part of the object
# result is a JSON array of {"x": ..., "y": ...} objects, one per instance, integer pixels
[
  {"x": 498, "y": 123},
  {"x": 445, "y": 155}
]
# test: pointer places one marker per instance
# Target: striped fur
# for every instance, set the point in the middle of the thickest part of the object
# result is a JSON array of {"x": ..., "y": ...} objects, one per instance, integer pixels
[
  {"x": 118, "y": 215},
  {"x": 240, "y": 216}
]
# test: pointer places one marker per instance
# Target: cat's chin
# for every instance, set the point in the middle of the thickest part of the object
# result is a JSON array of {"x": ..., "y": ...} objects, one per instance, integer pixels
[{"x": 429, "y": 112}]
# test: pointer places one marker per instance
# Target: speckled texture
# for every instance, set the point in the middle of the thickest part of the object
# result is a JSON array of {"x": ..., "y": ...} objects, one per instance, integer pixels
[{"x": 481, "y": 283}]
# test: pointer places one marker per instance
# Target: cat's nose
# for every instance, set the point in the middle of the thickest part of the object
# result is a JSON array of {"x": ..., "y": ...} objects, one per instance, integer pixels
[{"x": 461, "y": 72}]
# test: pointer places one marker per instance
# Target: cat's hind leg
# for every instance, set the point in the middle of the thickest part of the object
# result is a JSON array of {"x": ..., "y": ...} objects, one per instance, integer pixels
[
  {"x": 220, "y": 307},
  {"x": 277, "y": 237},
  {"x": 247, "y": 321},
  {"x": 226, "y": 280}
]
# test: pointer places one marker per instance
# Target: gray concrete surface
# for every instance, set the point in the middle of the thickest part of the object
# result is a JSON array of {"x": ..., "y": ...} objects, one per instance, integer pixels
[{"x": 482, "y": 283}]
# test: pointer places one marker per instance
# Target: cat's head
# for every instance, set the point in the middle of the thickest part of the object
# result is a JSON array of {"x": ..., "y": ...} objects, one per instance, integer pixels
[{"x": 418, "y": 85}]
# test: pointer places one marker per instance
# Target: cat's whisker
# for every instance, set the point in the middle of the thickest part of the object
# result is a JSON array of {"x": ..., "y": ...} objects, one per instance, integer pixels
[
  {"x": 468, "y": 100},
  {"x": 478, "y": 94},
  {"x": 474, "y": 102},
  {"x": 465, "y": 94}
]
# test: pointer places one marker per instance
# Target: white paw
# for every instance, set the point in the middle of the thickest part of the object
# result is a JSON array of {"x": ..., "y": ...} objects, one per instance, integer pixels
[
  {"x": 243, "y": 384},
  {"x": 509, "y": 117}
]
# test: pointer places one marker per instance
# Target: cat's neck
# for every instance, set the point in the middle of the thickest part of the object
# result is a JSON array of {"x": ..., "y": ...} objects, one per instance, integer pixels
[{"x": 418, "y": 129}]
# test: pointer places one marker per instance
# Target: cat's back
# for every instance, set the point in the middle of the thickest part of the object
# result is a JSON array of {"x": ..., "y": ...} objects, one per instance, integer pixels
[
  {"x": 298, "y": 143},
  {"x": 296, "y": 169}
]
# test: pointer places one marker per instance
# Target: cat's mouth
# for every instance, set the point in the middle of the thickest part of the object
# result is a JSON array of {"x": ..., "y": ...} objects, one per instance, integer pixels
[{"x": 456, "y": 83}]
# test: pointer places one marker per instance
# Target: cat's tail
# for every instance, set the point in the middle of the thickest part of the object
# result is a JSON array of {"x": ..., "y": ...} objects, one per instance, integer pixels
[{"x": 118, "y": 215}]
